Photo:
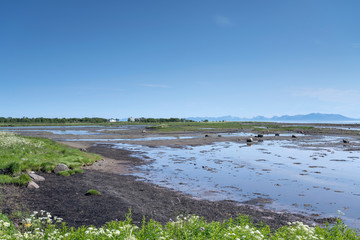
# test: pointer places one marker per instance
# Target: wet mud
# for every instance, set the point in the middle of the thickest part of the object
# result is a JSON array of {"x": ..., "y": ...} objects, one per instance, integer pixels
[{"x": 133, "y": 174}]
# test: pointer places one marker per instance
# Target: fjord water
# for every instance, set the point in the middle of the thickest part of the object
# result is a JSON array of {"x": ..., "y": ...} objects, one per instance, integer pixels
[{"x": 282, "y": 174}]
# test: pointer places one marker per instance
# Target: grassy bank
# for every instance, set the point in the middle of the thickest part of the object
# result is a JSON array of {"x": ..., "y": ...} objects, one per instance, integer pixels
[
  {"x": 19, "y": 155},
  {"x": 208, "y": 126},
  {"x": 43, "y": 226}
]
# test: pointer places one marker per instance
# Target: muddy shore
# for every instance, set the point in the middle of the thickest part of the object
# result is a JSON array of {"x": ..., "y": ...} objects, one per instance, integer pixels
[{"x": 65, "y": 196}]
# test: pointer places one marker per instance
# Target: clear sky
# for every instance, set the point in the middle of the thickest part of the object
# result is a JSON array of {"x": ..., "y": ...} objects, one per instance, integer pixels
[{"x": 184, "y": 58}]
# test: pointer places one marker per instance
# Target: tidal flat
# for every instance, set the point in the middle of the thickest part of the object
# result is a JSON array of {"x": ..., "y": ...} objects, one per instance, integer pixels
[{"x": 307, "y": 171}]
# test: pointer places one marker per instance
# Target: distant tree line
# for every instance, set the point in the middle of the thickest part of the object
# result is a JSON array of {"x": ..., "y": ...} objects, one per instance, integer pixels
[
  {"x": 52, "y": 120},
  {"x": 158, "y": 120}
]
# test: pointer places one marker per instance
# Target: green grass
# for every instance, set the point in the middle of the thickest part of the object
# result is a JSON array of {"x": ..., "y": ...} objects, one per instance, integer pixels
[
  {"x": 21, "y": 180},
  {"x": 208, "y": 126},
  {"x": 43, "y": 226},
  {"x": 93, "y": 192},
  {"x": 71, "y": 172},
  {"x": 19, "y": 154}
]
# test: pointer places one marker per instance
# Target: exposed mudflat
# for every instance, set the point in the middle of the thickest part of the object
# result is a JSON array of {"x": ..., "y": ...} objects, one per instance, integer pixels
[{"x": 117, "y": 176}]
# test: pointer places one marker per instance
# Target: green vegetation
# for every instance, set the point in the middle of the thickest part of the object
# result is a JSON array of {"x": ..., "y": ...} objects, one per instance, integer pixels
[
  {"x": 71, "y": 172},
  {"x": 92, "y": 192},
  {"x": 201, "y": 126},
  {"x": 19, "y": 180},
  {"x": 14, "y": 167},
  {"x": 43, "y": 226},
  {"x": 19, "y": 154},
  {"x": 13, "y": 122},
  {"x": 159, "y": 120}
]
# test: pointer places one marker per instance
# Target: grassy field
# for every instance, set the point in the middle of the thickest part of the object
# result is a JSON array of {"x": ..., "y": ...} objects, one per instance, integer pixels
[{"x": 19, "y": 155}]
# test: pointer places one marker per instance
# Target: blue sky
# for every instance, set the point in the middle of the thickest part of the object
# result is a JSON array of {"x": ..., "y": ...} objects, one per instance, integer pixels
[{"x": 161, "y": 58}]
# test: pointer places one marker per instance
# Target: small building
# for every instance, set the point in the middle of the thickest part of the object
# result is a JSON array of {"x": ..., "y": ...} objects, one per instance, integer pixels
[
  {"x": 112, "y": 120},
  {"x": 131, "y": 119}
]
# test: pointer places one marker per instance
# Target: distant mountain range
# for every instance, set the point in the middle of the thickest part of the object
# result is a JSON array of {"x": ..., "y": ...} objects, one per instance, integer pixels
[{"x": 312, "y": 117}]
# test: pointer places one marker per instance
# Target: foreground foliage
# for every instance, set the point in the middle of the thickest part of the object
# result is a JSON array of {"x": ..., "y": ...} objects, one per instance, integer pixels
[
  {"x": 41, "y": 225},
  {"x": 19, "y": 155}
]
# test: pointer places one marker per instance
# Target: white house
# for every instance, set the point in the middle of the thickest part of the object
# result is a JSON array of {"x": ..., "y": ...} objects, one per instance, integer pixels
[{"x": 112, "y": 120}]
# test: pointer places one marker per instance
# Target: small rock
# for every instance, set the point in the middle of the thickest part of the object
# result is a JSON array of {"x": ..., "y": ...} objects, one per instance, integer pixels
[
  {"x": 260, "y": 140},
  {"x": 61, "y": 167},
  {"x": 206, "y": 135},
  {"x": 32, "y": 185},
  {"x": 294, "y": 136},
  {"x": 260, "y": 135},
  {"x": 219, "y": 135},
  {"x": 250, "y": 140},
  {"x": 346, "y": 141},
  {"x": 277, "y": 134},
  {"x": 144, "y": 131},
  {"x": 83, "y": 149},
  {"x": 36, "y": 177}
]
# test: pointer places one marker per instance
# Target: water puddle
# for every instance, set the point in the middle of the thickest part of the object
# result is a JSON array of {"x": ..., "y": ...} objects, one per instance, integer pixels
[{"x": 301, "y": 179}]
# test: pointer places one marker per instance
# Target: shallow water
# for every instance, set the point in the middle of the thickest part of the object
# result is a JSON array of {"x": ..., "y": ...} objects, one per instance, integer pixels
[
  {"x": 300, "y": 176},
  {"x": 131, "y": 139},
  {"x": 155, "y": 138},
  {"x": 341, "y": 128},
  {"x": 317, "y": 181},
  {"x": 72, "y": 130}
]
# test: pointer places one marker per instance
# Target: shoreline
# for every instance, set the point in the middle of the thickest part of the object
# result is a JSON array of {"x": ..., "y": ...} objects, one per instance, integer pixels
[{"x": 64, "y": 196}]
